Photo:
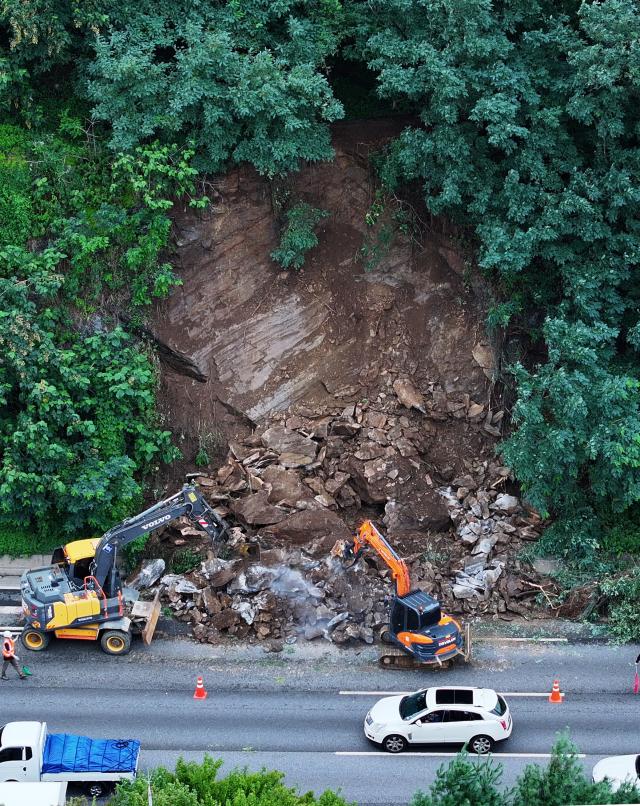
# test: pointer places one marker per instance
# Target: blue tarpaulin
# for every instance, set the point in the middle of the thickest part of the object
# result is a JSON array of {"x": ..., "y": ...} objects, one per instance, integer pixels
[{"x": 64, "y": 752}]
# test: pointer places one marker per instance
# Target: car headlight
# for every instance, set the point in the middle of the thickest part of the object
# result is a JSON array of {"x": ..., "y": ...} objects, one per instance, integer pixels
[{"x": 369, "y": 719}]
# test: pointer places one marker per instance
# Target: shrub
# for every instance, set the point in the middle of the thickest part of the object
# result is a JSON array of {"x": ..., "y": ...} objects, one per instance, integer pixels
[
  {"x": 184, "y": 561},
  {"x": 624, "y": 605},
  {"x": 464, "y": 782},
  {"x": 134, "y": 552},
  {"x": 15, "y": 182},
  {"x": 298, "y": 236},
  {"x": 198, "y": 784},
  {"x": 563, "y": 781}
]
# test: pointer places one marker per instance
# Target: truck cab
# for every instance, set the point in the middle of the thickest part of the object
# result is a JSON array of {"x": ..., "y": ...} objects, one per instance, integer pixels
[{"x": 18, "y": 745}]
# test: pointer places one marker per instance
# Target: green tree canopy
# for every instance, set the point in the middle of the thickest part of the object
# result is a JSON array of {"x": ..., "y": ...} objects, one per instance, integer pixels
[
  {"x": 464, "y": 782},
  {"x": 195, "y": 784},
  {"x": 529, "y": 135}
]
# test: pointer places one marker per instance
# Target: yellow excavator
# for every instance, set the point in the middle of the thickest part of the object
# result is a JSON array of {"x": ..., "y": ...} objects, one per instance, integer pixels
[
  {"x": 80, "y": 595},
  {"x": 421, "y": 633}
]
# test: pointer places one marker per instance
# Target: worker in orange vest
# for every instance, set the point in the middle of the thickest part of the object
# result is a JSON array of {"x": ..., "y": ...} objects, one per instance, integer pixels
[{"x": 9, "y": 656}]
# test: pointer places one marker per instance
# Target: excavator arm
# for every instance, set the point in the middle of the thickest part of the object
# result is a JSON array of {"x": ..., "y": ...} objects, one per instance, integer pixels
[
  {"x": 188, "y": 502},
  {"x": 368, "y": 535}
]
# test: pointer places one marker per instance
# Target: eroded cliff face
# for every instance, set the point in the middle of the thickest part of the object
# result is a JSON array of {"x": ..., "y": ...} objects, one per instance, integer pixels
[
  {"x": 265, "y": 339},
  {"x": 360, "y": 386}
]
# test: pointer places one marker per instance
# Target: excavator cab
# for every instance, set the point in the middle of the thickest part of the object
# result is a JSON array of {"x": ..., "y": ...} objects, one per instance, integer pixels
[
  {"x": 419, "y": 627},
  {"x": 76, "y": 558},
  {"x": 416, "y": 612}
]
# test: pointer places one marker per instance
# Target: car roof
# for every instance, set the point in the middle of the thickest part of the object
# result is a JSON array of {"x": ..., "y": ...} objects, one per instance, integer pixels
[{"x": 461, "y": 696}]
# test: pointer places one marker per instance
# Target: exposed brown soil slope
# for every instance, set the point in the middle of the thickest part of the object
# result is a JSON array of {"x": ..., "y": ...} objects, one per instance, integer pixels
[
  {"x": 266, "y": 338},
  {"x": 299, "y": 386}
]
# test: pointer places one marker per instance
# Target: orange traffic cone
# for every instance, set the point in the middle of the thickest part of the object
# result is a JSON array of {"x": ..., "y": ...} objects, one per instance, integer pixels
[
  {"x": 555, "y": 695},
  {"x": 200, "y": 693}
]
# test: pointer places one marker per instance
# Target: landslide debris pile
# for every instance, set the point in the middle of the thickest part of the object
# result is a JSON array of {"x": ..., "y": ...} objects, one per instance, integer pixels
[{"x": 305, "y": 480}]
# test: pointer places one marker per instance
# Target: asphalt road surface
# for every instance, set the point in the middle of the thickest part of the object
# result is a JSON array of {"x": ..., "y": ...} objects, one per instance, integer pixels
[{"x": 301, "y": 711}]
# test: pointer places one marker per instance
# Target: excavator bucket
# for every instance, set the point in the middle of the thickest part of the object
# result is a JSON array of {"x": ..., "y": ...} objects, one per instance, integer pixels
[
  {"x": 147, "y": 613},
  {"x": 340, "y": 549}
]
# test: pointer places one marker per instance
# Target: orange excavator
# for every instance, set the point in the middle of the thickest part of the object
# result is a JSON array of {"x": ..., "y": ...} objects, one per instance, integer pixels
[{"x": 422, "y": 635}]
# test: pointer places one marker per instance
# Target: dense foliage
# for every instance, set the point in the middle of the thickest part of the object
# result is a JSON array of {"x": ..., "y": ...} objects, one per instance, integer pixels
[
  {"x": 525, "y": 131},
  {"x": 529, "y": 137},
  {"x": 243, "y": 80},
  {"x": 466, "y": 781},
  {"x": 77, "y": 393},
  {"x": 194, "y": 784}
]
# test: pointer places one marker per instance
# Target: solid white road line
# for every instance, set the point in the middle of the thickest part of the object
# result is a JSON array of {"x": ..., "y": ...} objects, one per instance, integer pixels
[
  {"x": 403, "y": 693},
  {"x": 530, "y": 640},
  {"x": 443, "y": 755},
  {"x": 500, "y": 640}
]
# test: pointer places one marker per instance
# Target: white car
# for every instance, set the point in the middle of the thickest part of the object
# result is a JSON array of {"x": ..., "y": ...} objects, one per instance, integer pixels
[
  {"x": 477, "y": 717},
  {"x": 618, "y": 769}
]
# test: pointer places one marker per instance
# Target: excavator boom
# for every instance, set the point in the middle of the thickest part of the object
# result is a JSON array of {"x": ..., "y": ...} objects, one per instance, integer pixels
[
  {"x": 368, "y": 535},
  {"x": 187, "y": 502}
]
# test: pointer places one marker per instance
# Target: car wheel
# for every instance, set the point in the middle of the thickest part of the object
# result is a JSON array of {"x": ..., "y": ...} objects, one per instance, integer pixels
[
  {"x": 394, "y": 743},
  {"x": 98, "y": 789},
  {"x": 481, "y": 745}
]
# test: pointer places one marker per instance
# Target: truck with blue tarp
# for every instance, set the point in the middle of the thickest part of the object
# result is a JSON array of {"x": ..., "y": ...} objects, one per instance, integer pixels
[{"x": 28, "y": 752}]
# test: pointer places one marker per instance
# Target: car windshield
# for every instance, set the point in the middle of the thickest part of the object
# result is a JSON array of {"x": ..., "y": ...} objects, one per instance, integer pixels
[
  {"x": 412, "y": 704},
  {"x": 501, "y": 707}
]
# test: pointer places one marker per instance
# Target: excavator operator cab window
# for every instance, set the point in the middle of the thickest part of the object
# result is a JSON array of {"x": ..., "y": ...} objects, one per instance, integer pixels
[
  {"x": 430, "y": 617},
  {"x": 413, "y": 620},
  {"x": 398, "y": 612},
  {"x": 81, "y": 569}
]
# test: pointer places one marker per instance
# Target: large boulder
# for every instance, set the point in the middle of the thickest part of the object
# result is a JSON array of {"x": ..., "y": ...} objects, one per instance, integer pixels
[
  {"x": 218, "y": 572},
  {"x": 506, "y": 503},
  {"x": 149, "y": 573},
  {"x": 300, "y": 528},
  {"x": 374, "y": 479},
  {"x": 255, "y": 510},
  {"x": 284, "y": 487},
  {"x": 295, "y": 449},
  {"x": 417, "y": 509}
]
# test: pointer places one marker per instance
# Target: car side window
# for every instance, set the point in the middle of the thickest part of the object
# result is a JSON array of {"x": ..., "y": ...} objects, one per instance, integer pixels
[
  {"x": 463, "y": 716},
  {"x": 11, "y": 754},
  {"x": 433, "y": 717},
  {"x": 28, "y": 754}
]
